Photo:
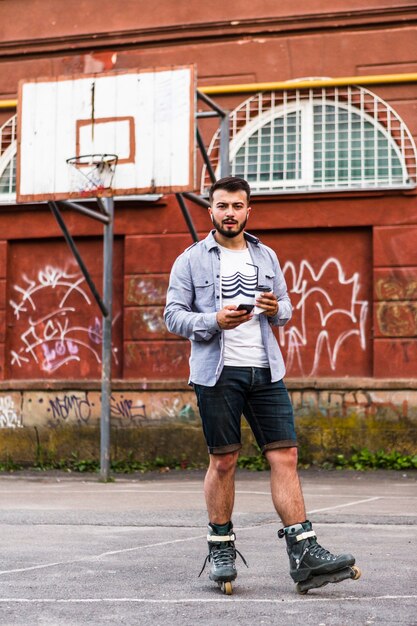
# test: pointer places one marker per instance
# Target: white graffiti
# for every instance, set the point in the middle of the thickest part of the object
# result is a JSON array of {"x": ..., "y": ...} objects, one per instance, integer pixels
[
  {"x": 336, "y": 305},
  {"x": 49, "y": 277},
  {"x": 55, "y": 338},
  {"x": 8, "y": 415}
]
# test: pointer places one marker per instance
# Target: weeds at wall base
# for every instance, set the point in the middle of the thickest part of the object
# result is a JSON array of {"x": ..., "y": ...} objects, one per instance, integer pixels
[
  {"x": 324, "y": 442},
  {"x": 361, "y": 460}
]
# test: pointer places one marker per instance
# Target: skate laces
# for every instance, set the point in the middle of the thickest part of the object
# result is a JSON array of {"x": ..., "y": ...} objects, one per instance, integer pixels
[
  {"x": 317, "y": 550},
  {"x": 222, "y": 553}
]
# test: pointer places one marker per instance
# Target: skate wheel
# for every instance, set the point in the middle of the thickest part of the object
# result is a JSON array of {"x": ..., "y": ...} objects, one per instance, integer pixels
[
  {"x": 356, "y": 572},
  {"x": 227, "y": 588},
  {"x": 299, "y": 589}
]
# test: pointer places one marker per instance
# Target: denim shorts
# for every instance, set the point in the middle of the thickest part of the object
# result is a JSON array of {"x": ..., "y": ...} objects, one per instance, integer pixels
[{"x": 246, "y": 391}]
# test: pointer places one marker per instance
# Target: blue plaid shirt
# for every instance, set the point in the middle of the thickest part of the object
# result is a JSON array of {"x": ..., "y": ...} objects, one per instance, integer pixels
[{"x": 194, "y": 297}]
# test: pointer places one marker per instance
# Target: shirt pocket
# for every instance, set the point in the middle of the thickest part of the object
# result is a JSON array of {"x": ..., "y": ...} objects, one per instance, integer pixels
[
  {"x": 267, "y": 277},
  {"x": 204, "y": 295}
]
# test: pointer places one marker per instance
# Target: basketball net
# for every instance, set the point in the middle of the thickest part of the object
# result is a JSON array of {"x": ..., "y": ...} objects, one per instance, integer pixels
[{"x": 91, "y": 174}]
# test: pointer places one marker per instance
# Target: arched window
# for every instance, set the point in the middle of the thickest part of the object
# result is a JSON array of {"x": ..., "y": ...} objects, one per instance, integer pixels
[
  {"x": 8, "y": 161},
  {"x": 319, "y": 140}
]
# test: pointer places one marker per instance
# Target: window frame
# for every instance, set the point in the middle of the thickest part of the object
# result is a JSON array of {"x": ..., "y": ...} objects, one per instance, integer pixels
[
  {"x": 306, "y": 181},
  {"x": 266, "y": 105}
]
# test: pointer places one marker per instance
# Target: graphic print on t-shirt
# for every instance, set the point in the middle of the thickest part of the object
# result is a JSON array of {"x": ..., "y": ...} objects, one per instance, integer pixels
[{"x": 238, "y": 284}]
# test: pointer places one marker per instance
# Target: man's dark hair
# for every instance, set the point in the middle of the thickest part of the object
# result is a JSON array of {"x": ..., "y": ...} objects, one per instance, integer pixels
[{"x": 231, "y": 184}]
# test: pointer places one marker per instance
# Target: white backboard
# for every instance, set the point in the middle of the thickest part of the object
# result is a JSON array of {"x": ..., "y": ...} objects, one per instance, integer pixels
[{"x": 146, "y": 118}]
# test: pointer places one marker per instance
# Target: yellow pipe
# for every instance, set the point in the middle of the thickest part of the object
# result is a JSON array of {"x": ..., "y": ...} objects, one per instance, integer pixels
[
  {"x": 307, "y": 84},
  {"x": 290, "y": 84},
  {"x": 8, "y": 104}
]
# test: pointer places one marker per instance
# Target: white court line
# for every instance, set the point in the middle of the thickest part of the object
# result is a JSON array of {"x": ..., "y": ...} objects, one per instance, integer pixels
[
  {"x": 280, "y": 601},
  {"x": 328, "y": 508},
  {"x": 340, "y": 506},
  {"x": 162, "y": 543},
  {"x": 95, "y": 557}
]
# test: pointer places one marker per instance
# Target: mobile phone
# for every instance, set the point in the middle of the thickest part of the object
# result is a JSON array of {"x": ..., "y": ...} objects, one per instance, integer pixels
[{"x": 245, "y": 307}]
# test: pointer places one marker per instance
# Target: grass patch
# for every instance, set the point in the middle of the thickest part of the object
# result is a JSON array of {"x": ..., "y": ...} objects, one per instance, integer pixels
[
  {"x": 360, "y": 460},
  {"x": 366, "y": 459},
  {"x": 120, "y": 466}
]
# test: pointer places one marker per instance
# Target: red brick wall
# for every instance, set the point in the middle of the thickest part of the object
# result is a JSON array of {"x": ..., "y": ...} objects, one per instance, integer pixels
[
  {"x": 53, "y": 321},
  {"x": 371, "y": 235},
  {"x": 329, "y": 281},
  {"x": 150, "y": 351},
  {"x": 395, "y": 301}
]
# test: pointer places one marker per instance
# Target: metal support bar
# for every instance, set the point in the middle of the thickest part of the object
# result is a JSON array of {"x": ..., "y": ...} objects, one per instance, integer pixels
[
  {"x": 210, "y": 103},
  {"x": 224, "y": 146},
  {"x": 106, "y": 343},
  {"x": 206, "y": 158},
  {"x": 187, "y": 216},
  {"x": 82, "y": 209},
  {"x": 206, "y": 114},
  {"x": 197, "y": 199},
  {"x": 68, "y": 238}
]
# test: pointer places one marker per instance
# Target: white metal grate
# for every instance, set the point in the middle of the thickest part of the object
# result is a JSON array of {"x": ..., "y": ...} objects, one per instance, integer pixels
[
  {"x": 317, "y": 140},
  {"x": 8, "y": 160}
]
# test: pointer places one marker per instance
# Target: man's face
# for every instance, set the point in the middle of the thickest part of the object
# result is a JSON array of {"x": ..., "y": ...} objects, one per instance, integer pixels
[{"x": 229, "y": 212}]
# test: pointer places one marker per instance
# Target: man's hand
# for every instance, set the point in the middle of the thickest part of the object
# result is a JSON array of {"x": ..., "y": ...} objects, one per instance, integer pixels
[
  {"x": 229, "y": 317},
  {"x": 268, "y": 301}
]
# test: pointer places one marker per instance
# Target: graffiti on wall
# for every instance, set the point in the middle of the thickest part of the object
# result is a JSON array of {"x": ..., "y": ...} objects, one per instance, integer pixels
[
  {"x": 327, "y": 312},
  {"x": 54, "y": 337},
  {"x": 9, "y": 417},
  {"x": 82, "y": 409}
]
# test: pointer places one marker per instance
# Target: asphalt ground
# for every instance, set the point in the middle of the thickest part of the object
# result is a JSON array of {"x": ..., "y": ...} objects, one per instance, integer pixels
[{"x": 74, "y": 551}]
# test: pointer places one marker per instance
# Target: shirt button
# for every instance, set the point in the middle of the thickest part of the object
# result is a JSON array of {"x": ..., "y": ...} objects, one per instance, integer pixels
[{"x": 217, "y": 297}]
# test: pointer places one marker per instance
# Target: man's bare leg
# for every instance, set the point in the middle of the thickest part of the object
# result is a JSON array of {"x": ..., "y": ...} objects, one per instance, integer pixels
[
  {"x": 219, "y": 490},
  {"x": 286, "y": 490},
  {"x": 219, "y": 487},
  {"x": 306, "y": 568}
]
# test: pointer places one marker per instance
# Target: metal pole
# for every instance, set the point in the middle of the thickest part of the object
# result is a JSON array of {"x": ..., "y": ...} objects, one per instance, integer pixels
[
  {"x": 187, "y": 216},
  {"x": 224, "y": 146},
  {"x": 106, "y": 346}
]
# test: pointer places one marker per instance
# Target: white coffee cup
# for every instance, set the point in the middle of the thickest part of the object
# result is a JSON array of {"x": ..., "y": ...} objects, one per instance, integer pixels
[{"x": 259, "y": 290}]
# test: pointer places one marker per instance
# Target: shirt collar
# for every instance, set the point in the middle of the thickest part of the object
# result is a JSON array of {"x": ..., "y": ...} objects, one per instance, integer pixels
[{"x": 211, "y": 243}]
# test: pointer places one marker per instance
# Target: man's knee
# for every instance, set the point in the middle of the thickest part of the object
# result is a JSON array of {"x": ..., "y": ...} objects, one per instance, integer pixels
[
  {"x": 283, "y": 457},
  {"x": 224, "y": 464}
]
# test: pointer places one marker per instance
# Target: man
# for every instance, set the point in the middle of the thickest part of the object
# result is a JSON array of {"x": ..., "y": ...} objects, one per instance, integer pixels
[{"x": 237, "y": 368}]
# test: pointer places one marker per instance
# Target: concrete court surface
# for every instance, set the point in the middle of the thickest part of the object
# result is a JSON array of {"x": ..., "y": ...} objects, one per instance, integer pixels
[{"x": 74, "y": 551}]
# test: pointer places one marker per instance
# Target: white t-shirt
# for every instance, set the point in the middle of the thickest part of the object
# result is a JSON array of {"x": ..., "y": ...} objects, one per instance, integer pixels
[{"x": 242, "y": 345}]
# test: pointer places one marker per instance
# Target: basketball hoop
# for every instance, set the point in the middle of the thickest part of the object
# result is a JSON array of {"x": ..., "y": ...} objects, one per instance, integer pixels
[{"x": 92, "y": 173}]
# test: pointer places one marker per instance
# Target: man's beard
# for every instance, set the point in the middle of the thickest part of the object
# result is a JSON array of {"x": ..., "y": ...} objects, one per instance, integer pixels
[{"x": 228, "y": 233}]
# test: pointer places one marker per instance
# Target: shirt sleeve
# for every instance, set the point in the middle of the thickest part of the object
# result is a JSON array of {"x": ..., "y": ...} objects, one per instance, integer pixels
[
  {"x": 179, "y": 316},
  {"x": 280, "y": 290}
]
